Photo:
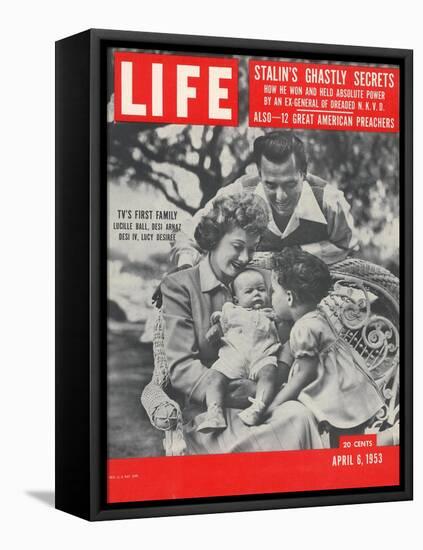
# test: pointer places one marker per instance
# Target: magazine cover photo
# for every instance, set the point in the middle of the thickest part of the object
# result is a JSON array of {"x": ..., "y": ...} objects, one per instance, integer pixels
[{"x": 253, "y": 275}]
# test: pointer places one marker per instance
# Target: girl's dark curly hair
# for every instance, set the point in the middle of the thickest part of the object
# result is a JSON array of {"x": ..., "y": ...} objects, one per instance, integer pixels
[
  {"x": 245, "y": 210},
  {"x": 305, "y": 275}
]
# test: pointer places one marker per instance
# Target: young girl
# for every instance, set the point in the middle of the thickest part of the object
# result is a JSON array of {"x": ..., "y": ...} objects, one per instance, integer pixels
[{"x": 326, "y": 376}]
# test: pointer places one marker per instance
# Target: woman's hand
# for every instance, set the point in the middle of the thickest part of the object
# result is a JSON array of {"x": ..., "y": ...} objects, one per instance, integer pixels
[
  {"x": 238, "y": 393},
  {"x": 165, "y": 417}
]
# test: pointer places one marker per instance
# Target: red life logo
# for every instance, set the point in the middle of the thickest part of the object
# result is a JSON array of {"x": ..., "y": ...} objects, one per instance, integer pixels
[{"x": 175, "y": 89}]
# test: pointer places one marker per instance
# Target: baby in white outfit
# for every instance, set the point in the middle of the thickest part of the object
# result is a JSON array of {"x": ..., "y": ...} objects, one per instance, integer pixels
[{"x": 249, "y": 350}]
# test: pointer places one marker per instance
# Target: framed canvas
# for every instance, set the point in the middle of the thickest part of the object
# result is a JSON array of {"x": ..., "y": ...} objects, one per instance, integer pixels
[{"x": 233, "y": 274}]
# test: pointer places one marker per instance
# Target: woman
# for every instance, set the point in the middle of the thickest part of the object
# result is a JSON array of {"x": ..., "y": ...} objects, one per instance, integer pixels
[{"x": 230, "y": 233}]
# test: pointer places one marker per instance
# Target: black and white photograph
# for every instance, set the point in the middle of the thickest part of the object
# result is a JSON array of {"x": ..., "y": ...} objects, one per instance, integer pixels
[
  {"x": 253, "y": 290},
  {"x": 208, "y": 275}
]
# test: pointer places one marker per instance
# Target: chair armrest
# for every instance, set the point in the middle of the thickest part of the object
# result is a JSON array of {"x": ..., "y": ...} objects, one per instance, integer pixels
[{"x": 163, "y": 412}]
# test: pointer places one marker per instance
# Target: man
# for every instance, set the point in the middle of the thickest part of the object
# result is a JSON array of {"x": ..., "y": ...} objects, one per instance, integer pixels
[{"x": 303, "y": 209}]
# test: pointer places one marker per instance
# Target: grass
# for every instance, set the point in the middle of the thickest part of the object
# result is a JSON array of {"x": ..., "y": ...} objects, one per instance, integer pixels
[{"x": 129, "y": 369}]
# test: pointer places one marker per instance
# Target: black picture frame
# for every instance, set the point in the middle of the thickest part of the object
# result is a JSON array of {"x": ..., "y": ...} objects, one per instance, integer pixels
[{"x": 81, "y": 285}]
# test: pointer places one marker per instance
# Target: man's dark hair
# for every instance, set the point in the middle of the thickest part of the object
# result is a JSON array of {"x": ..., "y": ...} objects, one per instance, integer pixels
[
  {"x": 305, "y": 275},
  {"x": 278, "y": 147}
]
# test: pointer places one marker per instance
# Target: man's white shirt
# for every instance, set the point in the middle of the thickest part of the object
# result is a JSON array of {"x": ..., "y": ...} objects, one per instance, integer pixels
[{"x": 335, "y": 214}]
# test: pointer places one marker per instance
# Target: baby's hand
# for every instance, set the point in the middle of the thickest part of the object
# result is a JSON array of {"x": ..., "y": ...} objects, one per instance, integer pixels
[
  {"x": 214, "y": 334},
  {"x": 270, "y": 313}
]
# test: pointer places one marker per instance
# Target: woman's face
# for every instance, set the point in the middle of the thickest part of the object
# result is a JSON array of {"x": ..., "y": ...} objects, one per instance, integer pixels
[
  {"x": 280, "y": 301},
  {"x": 232, "y": 253}
]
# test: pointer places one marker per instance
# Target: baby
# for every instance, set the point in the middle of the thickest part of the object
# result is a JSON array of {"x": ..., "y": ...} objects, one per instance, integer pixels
[
  {"x": 326, "y": 376},
  {"x": 249, "y": 350}
]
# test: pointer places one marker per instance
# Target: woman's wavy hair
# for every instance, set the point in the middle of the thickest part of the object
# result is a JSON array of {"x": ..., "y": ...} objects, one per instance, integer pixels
[
  {"x": 245, "y": 210},
  {"x": 305, "y": 275}
]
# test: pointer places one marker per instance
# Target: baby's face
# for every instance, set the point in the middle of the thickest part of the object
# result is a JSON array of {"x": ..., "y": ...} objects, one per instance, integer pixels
[{"x": 250, "y": 290}]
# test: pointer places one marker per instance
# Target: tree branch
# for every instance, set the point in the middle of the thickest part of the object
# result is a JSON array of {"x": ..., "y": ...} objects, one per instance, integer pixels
[
  {"x": 159, "y": 185},
  {"x": 159, "y": 156},
  {"x": 214, "y": 151},
  {"x": 240, "y": 171}
]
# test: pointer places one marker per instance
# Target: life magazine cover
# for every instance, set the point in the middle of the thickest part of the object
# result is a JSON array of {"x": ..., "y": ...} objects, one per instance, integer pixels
[{"x": 253, "y": 263}]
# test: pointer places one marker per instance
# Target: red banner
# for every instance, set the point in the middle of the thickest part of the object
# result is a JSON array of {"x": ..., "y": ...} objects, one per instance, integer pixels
[
  {"x": 360, "y": 464},
  {"x": 175, "y": 89},
  {"x": 325, "y": 97}
]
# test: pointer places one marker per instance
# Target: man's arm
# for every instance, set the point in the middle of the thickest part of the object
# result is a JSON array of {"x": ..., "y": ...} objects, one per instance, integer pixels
[
  {"x": 185, "y": 250},
  {"x": 341, "y": 231}
]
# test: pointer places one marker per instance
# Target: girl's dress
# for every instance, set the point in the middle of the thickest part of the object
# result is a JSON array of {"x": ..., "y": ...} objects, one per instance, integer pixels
[{"x": 343, "y": 392}]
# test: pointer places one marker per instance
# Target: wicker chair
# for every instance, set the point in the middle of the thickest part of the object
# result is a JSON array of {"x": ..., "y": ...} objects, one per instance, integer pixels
[{"x": 363, "y": 308}]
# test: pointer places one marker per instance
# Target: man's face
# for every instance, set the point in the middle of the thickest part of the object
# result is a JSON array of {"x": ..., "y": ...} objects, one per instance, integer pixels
[{"x": 282, "y": 183}]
